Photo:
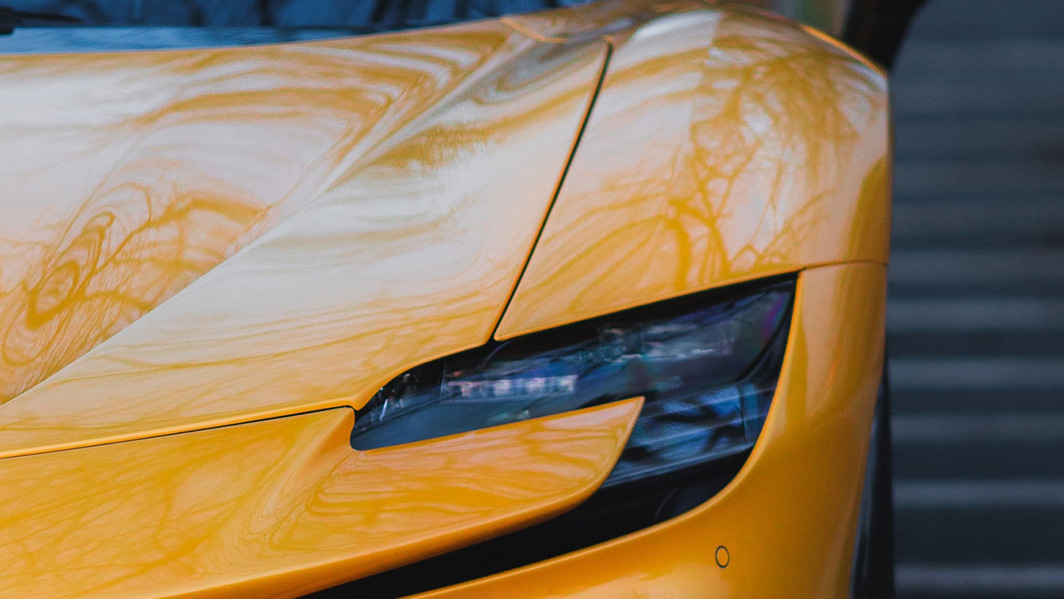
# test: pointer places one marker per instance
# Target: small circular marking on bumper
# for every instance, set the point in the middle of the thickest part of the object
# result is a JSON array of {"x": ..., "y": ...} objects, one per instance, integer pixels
[{"x": 723, "y": 557}]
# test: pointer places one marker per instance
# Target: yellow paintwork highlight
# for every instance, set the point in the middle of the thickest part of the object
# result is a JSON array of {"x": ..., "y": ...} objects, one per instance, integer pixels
[
  {"x": 724, "y": 146},
  {"x": 204, "y": 238},
  {"x": 788, "y": 520},
  {"x": 127, "y": 176},
  {"x": 391, "y": 250},
  {"x": 285, "y": 506}
]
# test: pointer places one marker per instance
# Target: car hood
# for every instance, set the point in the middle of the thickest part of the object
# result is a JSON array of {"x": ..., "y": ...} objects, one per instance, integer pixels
[
  {"x": 207, "y": 237},
  {"x": 204, "y": 236}
]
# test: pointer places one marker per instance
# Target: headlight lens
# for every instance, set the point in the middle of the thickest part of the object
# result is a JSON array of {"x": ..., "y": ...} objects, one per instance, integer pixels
[{"x": 708, "y": 370}]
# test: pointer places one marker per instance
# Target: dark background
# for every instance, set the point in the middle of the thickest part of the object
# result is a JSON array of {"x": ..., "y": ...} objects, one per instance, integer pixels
[
  {"x": 289, "y": 13},
  {"x": 976, "y": 310}
]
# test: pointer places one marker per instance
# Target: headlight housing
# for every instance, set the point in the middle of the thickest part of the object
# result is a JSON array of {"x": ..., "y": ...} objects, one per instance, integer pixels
[{"x": 707, "y": 366}]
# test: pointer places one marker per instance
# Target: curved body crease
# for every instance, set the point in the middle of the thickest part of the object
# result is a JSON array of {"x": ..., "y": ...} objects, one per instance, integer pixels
[{"x": 284, "y": 507}]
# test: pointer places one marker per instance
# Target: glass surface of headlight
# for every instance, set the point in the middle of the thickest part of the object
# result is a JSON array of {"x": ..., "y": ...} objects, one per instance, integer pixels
[{"x": 707, "y": 371}]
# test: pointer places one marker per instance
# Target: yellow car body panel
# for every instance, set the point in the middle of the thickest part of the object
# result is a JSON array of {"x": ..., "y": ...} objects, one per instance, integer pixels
[
  {"x": 406, "y": 254},
  {"x": 137, "y": 172},
  {"x": 787, "y": 520},
  {"x": 284, "y": 507},
  {"x": 723, "y": 147},
  {"x": 230, "y": 249}
]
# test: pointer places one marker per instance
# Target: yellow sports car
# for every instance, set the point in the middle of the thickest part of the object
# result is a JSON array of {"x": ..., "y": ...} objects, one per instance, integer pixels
[{"x": 585, "y": 302}]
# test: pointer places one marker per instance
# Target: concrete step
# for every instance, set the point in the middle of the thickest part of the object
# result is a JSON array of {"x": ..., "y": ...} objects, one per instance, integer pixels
[
  {"x": 975, "y": 344},
  {"x": 965, "y": 177},
  {"x": 1035, "y": 137},
  {"x": 980, "y": 580},
  {"x": 954, "y": 272},
  {"x": 992, "y": 459},
  {"x": 989, "y": 19},
  {"x": 1007, "y": 374},
  {"x": 979, "y": 221},
  {"x": 983, "y": 97},
  {"x": 1001, "y": 445},
  {"x": 1021, "y": 315},
  {"x": 1018, "y": 59},
  {"x": 938, "y": 523},
  {"x": 914, "y": 402}
]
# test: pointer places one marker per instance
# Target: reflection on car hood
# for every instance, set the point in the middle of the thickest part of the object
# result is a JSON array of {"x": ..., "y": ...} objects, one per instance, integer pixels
[
  {"x": 338, "y": 195},
  {"x": 197, "y": 238}
]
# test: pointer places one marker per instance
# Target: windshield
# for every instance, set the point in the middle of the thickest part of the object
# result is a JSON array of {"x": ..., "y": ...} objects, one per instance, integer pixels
[
  {"x": 358, "y": 14},
  {"x": 157, "y": 24}
]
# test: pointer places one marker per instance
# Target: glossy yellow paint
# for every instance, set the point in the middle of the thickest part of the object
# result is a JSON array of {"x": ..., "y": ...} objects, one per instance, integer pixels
[
  {"x": 724, "y": 146},
  {"x": 225, "y": 236},
  {"x": 395, "y": 235},
  {"x": 285, "y": 506},
  {"x": 788, "y": 519},
  {"x": 126, "y": 176}
]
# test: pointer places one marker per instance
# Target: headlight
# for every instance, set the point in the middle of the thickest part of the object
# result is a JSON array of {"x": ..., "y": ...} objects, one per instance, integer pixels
[{"x": 706, "y": 365}]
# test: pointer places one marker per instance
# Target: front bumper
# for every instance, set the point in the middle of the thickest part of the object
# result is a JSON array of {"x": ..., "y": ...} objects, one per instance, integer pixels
[
  {"x": 284, "y": 507},
  {"x": 787, "y": 522}
]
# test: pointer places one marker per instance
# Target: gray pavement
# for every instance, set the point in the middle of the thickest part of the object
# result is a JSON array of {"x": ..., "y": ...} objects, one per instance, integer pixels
[{"x": 976, "y": 312}]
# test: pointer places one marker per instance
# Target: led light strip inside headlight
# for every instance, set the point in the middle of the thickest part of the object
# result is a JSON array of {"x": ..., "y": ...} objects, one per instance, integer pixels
[{"x": 707, "y": 368}]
